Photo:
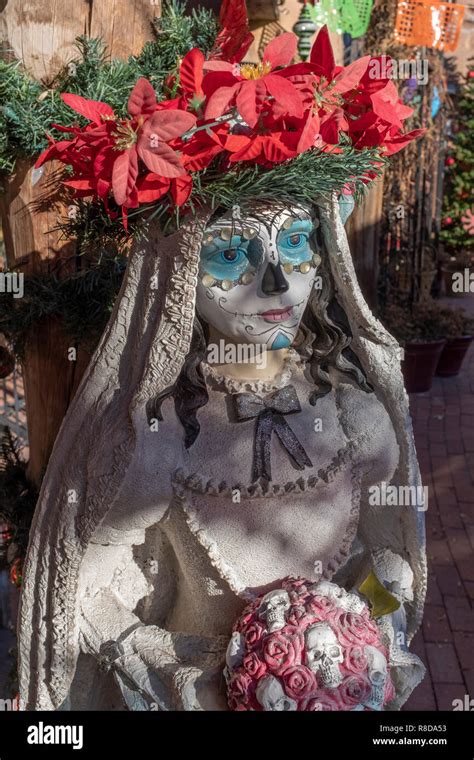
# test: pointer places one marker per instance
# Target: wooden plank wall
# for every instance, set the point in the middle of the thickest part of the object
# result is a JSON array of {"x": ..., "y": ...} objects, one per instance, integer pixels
[{"x": 41, "y": 33}]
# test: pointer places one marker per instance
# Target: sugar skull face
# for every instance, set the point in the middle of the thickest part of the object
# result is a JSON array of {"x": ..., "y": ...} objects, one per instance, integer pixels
[
  {"x": 271, "y": 696},
  {"x": 273, "y": 609},
  {"x": 257, "y": 273},
  {"x": 378, "y": 674},
  {"x": 324, "y": 654},
  {"x": 347, "y": 601}
]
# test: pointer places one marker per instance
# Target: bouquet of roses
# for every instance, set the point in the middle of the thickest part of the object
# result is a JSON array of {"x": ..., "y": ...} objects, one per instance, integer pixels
[{"x": 308, "y": 647}]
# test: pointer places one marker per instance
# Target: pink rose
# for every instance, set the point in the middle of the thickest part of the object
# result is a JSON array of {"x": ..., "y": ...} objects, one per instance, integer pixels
[
  {"x": 297, "y": 615},
  {"x": 238, "y": 690},
  {"x": 282, "y": 650},
  {"x": 326, "y": 700},
  {"x": 243, "y": 621},
  {"x": 253, "y": 633},
  {"x": 321, "y": 606},
  {"x": 294, "y": 583},
  {"x": 355, "y": 660},
  {"x": 351, "y": 628},
  {"x": 299, "y": 682},
  {"x": 354, "y": 690},
  {"x": 254, "y": 666}
]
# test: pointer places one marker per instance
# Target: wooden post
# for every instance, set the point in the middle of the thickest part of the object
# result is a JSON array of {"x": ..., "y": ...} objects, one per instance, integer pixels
[
  {"x": 41, "y": 34},
  {"x": 363, "y": 231}
]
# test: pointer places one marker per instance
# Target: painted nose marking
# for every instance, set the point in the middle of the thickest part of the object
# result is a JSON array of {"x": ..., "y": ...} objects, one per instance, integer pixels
[{"x": 273, "y": 281}]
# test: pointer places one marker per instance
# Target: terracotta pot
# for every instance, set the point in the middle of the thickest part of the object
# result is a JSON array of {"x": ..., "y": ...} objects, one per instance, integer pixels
[
  {"x": 419, "y": 364},
  {"x": 452, "y": 356}
]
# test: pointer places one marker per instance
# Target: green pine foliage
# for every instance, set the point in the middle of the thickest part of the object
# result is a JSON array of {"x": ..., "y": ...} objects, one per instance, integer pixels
[
  {"x": 176, "y": 34},
  {"x": 28, "y": 108},
  {"x": 301, "y": 180},
  {"x": 83, "y": 301},
  {"x": 459, "y": 199}
]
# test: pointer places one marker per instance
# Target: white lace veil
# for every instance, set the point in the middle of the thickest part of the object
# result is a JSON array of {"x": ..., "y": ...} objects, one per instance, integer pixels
[{"x": 140, "y": 354}]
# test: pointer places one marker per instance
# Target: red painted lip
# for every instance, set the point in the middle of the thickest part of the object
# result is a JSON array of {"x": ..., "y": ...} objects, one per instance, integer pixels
[{"x": 277, "y": 315}]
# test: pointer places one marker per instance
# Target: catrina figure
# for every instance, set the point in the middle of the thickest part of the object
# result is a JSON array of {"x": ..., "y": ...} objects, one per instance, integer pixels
[
  {"x": 227, "y": 457},
  {"x": 199, "y": 485}
]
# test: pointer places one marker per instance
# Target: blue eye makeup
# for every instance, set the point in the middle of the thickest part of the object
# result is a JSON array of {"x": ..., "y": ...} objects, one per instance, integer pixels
[
  {"x": 293, "y": 243},
  {"x": 225, "y": 259}
]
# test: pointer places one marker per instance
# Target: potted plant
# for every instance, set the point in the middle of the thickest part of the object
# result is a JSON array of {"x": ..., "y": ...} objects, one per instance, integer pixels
[
  {"x": 419, "y": 329},
  {"x": 459, "y": 332}
]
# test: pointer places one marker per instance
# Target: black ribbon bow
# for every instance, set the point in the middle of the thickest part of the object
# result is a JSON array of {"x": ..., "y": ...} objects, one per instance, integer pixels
[{"x": 269, "y": 412}]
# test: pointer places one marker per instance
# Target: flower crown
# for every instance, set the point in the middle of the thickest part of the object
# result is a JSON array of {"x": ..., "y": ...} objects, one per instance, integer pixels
[{"x": 228, "y": 129}]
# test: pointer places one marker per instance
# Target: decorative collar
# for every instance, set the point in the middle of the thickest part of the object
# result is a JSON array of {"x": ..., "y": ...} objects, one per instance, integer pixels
[{"x": 218, "y": 381}]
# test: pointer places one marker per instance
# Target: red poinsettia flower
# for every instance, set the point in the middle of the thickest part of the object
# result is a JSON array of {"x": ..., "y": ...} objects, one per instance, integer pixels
[
  {"x": 251, "y": 86},
  {"x": 234, "y": 38},
  {"x": 377, "y": 118},
  {"x": 197, "y": 153},
  {"x": 265, "y": 149},
  {"x": 335, "y": 79},
  {"x": 105, "y": 154},
  {"x": 190, "y": 79},
  {"x": 321, "y": 79},
  {"x": 151, "y": 188},
  {"x": 188, "y": 83},
  {"x": 274, "y": 140},
  {"x": 350, "y": 99}
]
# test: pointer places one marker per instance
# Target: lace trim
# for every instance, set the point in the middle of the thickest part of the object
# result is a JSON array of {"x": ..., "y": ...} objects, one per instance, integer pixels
[
  {"x": 227, "y": 572},
  {"x": 60, "y": 649},
  {"x": 183, "y": 481},
  {"x": 218, "y": 381}
]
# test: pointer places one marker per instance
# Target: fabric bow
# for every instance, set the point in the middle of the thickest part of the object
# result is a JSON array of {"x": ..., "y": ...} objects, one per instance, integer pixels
[{"x": 269, "y": 412}]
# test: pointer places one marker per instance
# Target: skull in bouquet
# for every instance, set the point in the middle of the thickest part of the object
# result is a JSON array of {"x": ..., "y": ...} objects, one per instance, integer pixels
[{"x": 307, "y": 646}]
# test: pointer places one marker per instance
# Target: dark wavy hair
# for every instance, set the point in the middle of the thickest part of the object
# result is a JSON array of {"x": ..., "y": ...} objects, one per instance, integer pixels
[{"x": 324, "y": 340}]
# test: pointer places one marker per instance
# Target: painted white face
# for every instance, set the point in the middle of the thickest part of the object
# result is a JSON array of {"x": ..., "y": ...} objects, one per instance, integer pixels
[{"x": 257, "y": 273}]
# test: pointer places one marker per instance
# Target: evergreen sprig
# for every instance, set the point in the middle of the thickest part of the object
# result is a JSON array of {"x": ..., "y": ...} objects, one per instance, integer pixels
[
  {"x": 84, "y": 302},
  {"x": 29, "y": 108},
  {"x": 301, "y": 179},
  {"x": 458, "y": 196}
]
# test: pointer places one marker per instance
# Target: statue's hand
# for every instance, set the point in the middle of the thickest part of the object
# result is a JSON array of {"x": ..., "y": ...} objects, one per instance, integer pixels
[{"x": 172, "y": 671}]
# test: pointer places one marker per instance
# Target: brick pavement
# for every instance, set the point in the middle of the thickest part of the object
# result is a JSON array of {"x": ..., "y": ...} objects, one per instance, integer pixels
[{"x": 444, "y": 432}]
